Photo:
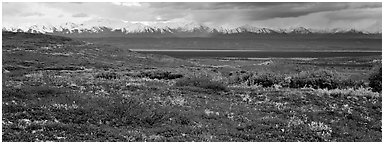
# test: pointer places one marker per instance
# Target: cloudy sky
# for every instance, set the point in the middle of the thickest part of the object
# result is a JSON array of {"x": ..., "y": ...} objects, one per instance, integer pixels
[{"x": 361, "y": 16}]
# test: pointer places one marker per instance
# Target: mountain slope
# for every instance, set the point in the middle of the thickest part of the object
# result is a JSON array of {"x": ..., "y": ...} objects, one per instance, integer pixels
[{"x": 112, "y": 28}]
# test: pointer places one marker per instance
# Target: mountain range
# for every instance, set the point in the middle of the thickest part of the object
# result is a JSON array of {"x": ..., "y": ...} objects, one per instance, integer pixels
[{"x": 112, "y": 28}]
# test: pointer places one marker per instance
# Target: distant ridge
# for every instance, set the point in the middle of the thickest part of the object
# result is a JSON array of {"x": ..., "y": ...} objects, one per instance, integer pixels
[{"x": 110, "y": 28}]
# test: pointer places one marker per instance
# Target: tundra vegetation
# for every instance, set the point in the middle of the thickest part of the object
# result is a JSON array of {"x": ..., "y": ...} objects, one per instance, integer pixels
[{"x": 59, "y": 89}]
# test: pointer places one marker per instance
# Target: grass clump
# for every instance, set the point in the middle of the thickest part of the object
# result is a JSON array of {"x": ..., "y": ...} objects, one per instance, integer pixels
[{"x": 201, "y": 82}]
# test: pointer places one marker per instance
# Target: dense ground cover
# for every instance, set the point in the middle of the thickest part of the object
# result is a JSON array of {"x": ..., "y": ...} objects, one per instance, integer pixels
[{"x": 108, "y": 94}]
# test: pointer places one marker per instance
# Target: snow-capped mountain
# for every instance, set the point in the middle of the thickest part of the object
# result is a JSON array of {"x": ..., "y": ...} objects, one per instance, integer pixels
[
  {"x": 299, "y": 30},
  {"x": 120, "y": 28},
  {"x": 249, "y": 29}
]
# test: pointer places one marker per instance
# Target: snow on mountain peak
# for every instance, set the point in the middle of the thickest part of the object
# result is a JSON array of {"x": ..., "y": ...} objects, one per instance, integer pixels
[
  {"x": 105, "y": 25},
  {"x": 42, "y": 28},
  {"x": 299, "y": 30}
]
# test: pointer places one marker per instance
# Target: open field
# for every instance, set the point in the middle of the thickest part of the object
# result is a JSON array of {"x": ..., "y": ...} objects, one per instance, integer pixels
[
  {"x": 285, "y": 43},
  {"x": 59, "y": 89},
  {"x": 258, "y": 54}
]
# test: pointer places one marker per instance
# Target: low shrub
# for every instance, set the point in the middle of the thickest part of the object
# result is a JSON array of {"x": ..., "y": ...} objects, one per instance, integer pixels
[
  {"x": 121, "y": 111},
  {"x": 10, "y": 92},
  {"x": 202, "y": 82},
  {"x": 323, "y": 79},
  {"x": 107, "y": 75},
  {"x": 240, "y": 77},
  {"x": 159, "y": 75},
  {"x": 70, "y": 68},
  {"x": 265, "y": 79},
  {"x": 375, "y": 80},
  {"x": 359, "y": 92},
  {"x": 44, "y": 91},
  {"x": 31, "y": 92},
  {"x": 315, "y": 79}
]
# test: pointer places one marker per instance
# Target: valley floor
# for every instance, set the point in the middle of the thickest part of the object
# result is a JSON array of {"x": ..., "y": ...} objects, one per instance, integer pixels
[{"x": 109, "y": 94}]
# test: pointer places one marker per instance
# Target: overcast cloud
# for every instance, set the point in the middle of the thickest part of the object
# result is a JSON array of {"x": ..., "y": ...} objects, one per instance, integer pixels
[{"x": 361, "y": 16}]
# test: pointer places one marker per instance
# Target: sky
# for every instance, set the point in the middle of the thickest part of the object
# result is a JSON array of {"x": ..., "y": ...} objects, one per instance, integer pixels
[{"x": 322, "y": 15}]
